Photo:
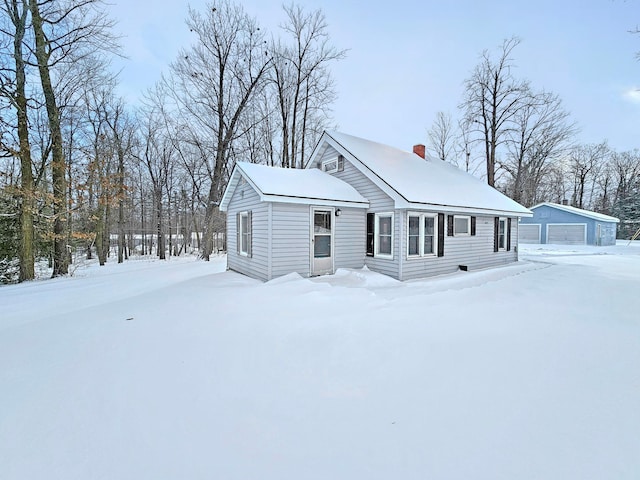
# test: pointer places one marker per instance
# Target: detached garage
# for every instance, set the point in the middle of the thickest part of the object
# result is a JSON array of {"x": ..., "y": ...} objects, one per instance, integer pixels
[{"x": 566, "y": 225}]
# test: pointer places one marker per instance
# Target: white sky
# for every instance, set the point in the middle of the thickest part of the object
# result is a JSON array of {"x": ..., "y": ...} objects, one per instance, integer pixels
[{"x": 407, "y": 60}]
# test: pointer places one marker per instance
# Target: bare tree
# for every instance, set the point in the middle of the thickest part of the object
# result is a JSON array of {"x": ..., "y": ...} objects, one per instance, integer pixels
[
  {"x": 493, "y": 97},
  {"x": 13, "y": 88},
  {"x": 625, "y": 168},
  {"x": 213, "y": 83},
  {"x": 441, "y": 136},
  {"x": 541, "y": 132},
  {"x": 584, "y": 162},
  {"x": 64, "y": 31},
  {"x": 303, "y": 84},
  {"x": 159, "y": 157},
  {"x": 122, "y": 131}
]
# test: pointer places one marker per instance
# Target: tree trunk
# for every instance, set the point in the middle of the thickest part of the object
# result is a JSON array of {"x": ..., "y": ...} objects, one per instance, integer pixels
[
  {"x": 121, "y": 245},
  {"x": 100, "y": 234},
  {"x": 58, "y": 164},
  {"x": 207, "y": 240},
  {"x": 161, "y": 240},
  {"x": 26, "y": 255}
]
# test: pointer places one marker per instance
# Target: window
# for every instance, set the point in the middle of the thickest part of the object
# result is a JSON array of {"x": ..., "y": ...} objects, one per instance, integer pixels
[
  {"x": 371, "y": 222},
  {"x": 382, "y": 235},
  {"x": 461, "y": 225},
  {"x": 244, "y": 233},
  {"x": 421, "y": 234},
  {"x": 333, "y": 165},
  {"x": 502, "y": 234},
  {"x": 330, "y": 166}
]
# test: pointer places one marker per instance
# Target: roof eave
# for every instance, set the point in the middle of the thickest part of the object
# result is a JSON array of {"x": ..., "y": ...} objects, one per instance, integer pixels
[
  {"x": 462, "y": 209},
  {"x": 228, "y": 191},
  {"x": 598, "y": 217},
  {"x": 314, "y": 201}
]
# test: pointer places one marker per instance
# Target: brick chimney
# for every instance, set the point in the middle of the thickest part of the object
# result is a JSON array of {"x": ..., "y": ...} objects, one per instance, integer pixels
[{"x": 419, "y": 150}]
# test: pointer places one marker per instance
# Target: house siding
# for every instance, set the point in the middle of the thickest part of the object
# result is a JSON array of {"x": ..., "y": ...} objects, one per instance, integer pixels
[
  {"x": 379, "y": 202},
  {"x": 349, "y": 238},
  {"x": 290, "y": 250},
  {"x": 473, "y": 251},
  {"x": 245, "y": 198},
  {"x": 547, "y": 215},
  {"x": 291, "y": 239}
]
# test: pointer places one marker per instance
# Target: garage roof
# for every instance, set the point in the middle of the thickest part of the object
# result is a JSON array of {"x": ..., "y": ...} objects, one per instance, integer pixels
[{"x": 579, "y": 211}]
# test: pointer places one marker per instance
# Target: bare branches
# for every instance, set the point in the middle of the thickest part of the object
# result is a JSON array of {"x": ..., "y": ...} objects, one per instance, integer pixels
[
  {"x": 302, "y": 82},
  {"x": 441, "y": 136},
  {"x": 492, "y": 100},
  {"x": 215, "y": 81},
  {"x": 541, "y": 132}
]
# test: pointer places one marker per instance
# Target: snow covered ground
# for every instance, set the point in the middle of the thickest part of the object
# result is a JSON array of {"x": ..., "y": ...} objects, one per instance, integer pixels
[{"x": 180, "y": 370}]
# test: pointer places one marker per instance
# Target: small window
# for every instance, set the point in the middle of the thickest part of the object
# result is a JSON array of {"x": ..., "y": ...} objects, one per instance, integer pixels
[
  {"x": 421, "y": 234},
  {"x": 384, "y": 235},
  {"x": 461, "y": 225},
  {"x": 244, "y": 234},
  {"x": 502, "y": 234},
  {"x": 330, "y": 166}
]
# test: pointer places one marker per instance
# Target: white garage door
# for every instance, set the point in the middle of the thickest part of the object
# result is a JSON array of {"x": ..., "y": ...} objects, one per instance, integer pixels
[
  {"x": 567, "y": 234},
  {"x": 528, "y": 233}
]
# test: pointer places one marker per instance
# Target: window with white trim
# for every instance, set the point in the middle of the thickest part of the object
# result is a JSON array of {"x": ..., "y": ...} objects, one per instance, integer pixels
[
  {"x": 330, "y": 166},
  {"x": 383, "y": 236},
  {"x": 244, "y": 233},
  {"x": 502, "y": 234},
  {"x": 461, "y": 225},
  {"x": 422, "y": 234}
]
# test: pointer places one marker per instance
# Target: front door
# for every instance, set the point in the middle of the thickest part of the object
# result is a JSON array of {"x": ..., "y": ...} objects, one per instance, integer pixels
[{"x": 321, "y": 241}]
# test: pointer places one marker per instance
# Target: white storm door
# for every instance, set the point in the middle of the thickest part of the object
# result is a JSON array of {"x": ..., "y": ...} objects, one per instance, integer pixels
[{"x": 321, "y": 241}]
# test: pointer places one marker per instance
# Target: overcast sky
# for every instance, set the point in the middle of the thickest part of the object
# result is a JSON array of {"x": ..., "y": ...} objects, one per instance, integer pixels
[{"x": 407, "y": 60}]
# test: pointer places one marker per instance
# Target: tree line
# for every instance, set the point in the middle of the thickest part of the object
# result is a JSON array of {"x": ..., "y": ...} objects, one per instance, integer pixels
[
  {"x": 523, "y": 142},
  {"x": 83, "y": 172}
]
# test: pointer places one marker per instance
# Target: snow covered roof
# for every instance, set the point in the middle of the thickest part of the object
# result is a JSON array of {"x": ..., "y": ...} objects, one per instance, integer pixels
[
  {"x": 414, "y": 182},
  {"x": 292, "y": 185},
  {"x": 579, "y": 211}
]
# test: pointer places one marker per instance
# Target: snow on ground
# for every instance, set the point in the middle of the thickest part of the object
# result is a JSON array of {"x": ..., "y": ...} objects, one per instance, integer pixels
[{"x": 178, "y": 369}]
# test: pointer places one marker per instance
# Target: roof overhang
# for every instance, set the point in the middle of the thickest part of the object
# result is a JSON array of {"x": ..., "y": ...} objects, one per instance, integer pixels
[
  {"x": 238, "y": 174},
  {"x": 325, "y": 202},
  {"x": 598, "y": 217},
  {"x": 462, "y": 209}
]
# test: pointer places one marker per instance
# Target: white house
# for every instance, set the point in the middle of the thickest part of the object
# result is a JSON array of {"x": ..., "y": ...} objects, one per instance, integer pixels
[{"x": 361, "y": 203}]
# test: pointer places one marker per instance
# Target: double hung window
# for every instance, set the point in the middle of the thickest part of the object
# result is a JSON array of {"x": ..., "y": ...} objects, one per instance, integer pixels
[
  {"x": 380, "y": 235},
  {"x": 422, "y": 234},
  {"x": 502, "y": 234},
  {"x": 244, "y": 233}
]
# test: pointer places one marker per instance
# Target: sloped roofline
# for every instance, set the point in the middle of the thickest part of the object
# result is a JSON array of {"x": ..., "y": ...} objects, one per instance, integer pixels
[
  {"x": 238, "y": 173},
  {"x": 578, "y": 211},
  {"x": 363, "y": 167},
  {"x": 401, "y": 202}
]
